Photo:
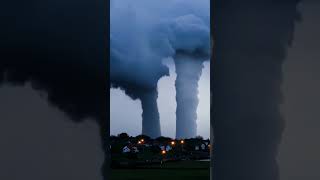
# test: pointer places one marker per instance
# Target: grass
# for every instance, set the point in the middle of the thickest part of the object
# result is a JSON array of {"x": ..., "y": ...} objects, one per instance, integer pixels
[{"x": 187, "y": 170}]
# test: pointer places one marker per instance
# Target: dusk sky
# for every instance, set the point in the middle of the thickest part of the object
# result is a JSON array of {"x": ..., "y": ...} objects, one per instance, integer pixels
[{"x": 39, "y": 140}]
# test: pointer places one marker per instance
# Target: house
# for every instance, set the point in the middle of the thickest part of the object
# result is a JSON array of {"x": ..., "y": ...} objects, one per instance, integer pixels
[
  {"x": 135, "y": 149},
  {"x": 126, "y": 149},
  {"x": 162, "y": 148},
  {"x": 168, "y": 148},
  {"x": 130, "y": 148},
  {"x": 203, "y": 146}
]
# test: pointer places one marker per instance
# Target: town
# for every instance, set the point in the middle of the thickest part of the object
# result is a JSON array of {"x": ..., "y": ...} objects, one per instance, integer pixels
[{"x": 143, "y": 151}]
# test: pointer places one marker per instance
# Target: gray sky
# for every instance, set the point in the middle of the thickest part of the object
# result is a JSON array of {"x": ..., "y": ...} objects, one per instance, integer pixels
[
  {"x": 299, "y": 150},
  {"x": 39, "y": 141},
  {"x": 129, "y": 120}
]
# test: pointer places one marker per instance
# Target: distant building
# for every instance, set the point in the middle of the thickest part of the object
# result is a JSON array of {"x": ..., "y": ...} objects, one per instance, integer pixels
[
  {"x": 126, "y": 149},
  {"x": 129, "y": 148},
  {"x": 203, "y": 146},
  {"x": 135, "y": 149},
  {"x": 168, "y": 148}
]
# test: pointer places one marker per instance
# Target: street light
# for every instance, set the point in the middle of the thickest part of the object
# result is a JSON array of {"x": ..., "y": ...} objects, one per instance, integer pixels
[
  {"x": 163, "y": 152},
  {"x": 182, "y": 141},
  {"x": 173, "y": 143}
]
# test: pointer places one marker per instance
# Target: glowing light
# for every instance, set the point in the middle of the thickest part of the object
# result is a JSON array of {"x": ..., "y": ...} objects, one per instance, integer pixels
[
  {"x": 142, "y": 140},
  {"x": 182, "y": 141},
  {"x": 173, "y": 143},
  {"x": 163, "y": 152},
  {"x": 139, "y": 142}
]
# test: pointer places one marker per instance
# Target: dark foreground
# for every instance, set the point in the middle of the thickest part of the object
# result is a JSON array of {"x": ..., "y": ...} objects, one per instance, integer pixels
[{"x": 187, "y": 170}]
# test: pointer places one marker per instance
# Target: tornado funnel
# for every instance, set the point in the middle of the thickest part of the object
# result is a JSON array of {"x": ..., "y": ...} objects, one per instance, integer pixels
[
  {"x": 188, "y": 68},
  {"x": 150, "y": 114}
]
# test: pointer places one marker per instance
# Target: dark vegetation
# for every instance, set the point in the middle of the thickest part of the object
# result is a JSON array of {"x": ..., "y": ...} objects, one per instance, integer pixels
[{"x": 187, "y": 170}]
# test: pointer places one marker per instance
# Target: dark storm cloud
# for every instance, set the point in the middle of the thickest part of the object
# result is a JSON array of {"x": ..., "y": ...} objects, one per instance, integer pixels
[
  {"x": 251, "y": 41},
  {"x": 60, "y": 47},
  {"x": 145, "y": 32},
  {"x": 60, "y": 52}
]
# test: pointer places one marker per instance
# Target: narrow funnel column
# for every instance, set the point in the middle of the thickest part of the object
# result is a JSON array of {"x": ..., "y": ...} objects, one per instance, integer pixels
[
  {"x": 150, "y": 113},
  {"x": 188, "y": 69}
]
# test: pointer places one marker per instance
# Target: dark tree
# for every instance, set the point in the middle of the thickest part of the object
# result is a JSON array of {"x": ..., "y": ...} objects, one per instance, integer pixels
[{"x": 123, "y": 136}]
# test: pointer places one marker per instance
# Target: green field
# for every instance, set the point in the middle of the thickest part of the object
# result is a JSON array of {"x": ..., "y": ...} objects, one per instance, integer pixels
[{"x": 187, "y": 170}]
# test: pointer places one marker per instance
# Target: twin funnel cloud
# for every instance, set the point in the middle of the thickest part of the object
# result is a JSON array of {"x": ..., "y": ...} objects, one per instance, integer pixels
[{"x": 138, "y": 46}]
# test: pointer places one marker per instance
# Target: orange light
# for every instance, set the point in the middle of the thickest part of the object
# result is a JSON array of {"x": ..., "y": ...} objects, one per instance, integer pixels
[
  {"x": 163, "y": 152},
  {"x": 173, "y": 143},
  {"x": 142, "y": 140},
  {"x": 139, "y": 142},
  {"x": 182, "y": 141}
]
